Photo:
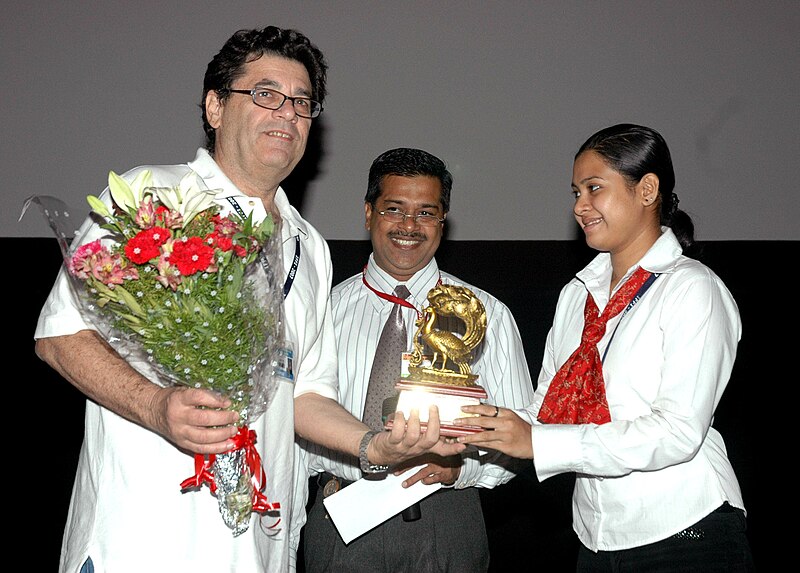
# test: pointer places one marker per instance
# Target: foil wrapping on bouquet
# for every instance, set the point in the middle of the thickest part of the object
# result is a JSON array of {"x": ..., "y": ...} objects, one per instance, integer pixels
[
  {"x": 188, "y": 297},
  {"x": 237, "y": 479},
  {"x": 234, "y": 489}
]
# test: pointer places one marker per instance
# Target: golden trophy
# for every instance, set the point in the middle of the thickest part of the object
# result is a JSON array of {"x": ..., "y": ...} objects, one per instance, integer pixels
[{"x": 426, "y": 384}]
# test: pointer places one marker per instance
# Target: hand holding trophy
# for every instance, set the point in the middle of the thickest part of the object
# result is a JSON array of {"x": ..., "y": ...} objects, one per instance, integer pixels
[{"x": 427, "y": 384}]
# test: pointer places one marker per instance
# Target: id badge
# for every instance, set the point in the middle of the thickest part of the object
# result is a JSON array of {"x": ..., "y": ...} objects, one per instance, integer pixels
[{"x": 282, "y": 364}]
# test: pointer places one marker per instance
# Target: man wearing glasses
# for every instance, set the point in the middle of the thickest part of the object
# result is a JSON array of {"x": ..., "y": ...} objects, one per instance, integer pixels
[
  {"x": 407, "y": 201},
  {"x": 127, "y": 513}
]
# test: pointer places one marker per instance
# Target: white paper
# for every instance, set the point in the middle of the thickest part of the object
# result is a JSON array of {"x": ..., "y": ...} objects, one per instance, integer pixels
[{"x": 365, "y": 504}]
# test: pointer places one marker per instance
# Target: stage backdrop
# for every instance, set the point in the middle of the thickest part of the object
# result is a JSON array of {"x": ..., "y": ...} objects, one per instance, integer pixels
[{"x": 503, "y": 91}]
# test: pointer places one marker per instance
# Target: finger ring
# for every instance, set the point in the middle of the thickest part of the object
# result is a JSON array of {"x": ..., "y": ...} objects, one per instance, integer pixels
[{"x": 496, "y": 412}]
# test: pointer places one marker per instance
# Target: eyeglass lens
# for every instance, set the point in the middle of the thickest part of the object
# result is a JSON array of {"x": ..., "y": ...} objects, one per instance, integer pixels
[
  {"x": 422, "y": 219},
  {"x": 273, "y": 99}
]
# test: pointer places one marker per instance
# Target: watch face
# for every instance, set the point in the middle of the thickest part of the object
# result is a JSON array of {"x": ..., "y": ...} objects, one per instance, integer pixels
[{"x": 372, "y": 469}]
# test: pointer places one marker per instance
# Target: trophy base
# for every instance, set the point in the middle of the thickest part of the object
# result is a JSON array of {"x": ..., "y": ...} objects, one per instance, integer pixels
[{"x": 420, "y": 396}]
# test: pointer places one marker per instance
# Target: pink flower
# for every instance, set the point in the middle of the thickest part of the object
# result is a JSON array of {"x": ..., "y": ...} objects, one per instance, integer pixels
[
  {"x": 170, "y": 219},
  {"x": 168, "y": 275},
  {"x": 146, "y": 213},
  {"x": 111, "y": 269},
  {"x": 80, "y": 265},
  {"x": 94, "y": 260},
  {"x": 225, "y": 227}
]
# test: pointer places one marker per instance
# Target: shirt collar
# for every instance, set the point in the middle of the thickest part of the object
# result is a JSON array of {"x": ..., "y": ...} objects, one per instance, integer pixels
[
  {"x": 208, "y": 169},
  {"x": 660, "y": 258},
  {"x": 418, "y": 285}
]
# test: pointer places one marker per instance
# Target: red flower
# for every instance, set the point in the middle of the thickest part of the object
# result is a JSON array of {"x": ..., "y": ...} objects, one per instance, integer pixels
[
  {"x": 223, "y": 242},
  {"x": 146, "y": 244},
  {"x": 191, "y": 255}
]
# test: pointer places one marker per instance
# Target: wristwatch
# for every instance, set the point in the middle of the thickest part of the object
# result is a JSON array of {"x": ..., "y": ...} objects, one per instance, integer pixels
[{"x": 367, "y": 467}]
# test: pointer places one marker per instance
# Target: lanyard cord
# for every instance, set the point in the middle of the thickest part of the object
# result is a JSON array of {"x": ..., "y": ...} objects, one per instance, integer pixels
[
  {"x": 391, "y": 297},
  {"x": 384, "y": 295},
  {"x": 639, "y": 294},
  {"x": 287, "y": 286}
]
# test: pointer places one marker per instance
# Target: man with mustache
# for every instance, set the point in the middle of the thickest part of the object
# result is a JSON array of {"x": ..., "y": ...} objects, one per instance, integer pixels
[{"x": 407, "y": 201}]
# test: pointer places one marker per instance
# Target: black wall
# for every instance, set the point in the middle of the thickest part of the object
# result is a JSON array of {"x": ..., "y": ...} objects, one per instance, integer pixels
[{"x": 528, "y": 522}]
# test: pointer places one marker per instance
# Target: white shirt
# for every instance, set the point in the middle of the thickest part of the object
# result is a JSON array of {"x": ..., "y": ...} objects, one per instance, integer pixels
[
  {"x": 127, "y": 511},
  {"x": 359, "y": 316},
  {"x": 659, "y": 466}
]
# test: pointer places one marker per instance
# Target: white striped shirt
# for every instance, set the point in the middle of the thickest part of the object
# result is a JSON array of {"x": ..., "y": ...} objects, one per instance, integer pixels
[{"x": 359, "y": 315}]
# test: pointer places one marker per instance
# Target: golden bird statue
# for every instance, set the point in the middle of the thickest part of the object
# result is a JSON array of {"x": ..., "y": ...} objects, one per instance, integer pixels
[{"x": 449, "y": 301}]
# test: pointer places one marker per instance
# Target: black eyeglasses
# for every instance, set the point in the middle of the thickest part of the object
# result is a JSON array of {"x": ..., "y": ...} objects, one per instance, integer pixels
[
  {"x": 423, "y": 219},
  {"x": 273, "y": 99}
]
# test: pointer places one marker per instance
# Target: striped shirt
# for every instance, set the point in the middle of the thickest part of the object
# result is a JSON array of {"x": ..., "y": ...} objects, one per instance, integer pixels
[{"x": 499, "y": 361}]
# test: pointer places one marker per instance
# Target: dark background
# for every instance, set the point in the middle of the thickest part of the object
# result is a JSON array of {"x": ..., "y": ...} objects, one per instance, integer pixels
[{"x": 529, "y": 523}]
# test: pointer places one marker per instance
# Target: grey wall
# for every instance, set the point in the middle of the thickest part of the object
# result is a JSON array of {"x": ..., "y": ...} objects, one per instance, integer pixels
[{"x": 503, "y": 91}]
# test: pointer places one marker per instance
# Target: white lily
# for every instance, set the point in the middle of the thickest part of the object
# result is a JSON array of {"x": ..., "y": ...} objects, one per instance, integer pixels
[
  {"x": 126, "y": 195},
  {"x": 187, "y": 198}
]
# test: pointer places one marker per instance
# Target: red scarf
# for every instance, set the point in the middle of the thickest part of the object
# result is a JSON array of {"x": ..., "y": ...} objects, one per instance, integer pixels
[{"x": 577, "y": 394}]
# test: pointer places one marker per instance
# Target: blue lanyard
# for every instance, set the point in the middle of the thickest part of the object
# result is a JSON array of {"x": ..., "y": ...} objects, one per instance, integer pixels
[
  {"x": 287, "y": 286},
  {"x": 639, "y": 294}
]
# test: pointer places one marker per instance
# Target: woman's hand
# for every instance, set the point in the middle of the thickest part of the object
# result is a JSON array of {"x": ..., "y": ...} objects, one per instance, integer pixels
[{"x": 506, "y": 431}]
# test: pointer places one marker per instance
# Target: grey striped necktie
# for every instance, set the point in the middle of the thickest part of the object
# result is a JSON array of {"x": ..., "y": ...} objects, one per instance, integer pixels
[{"x": 386, "y": 366}]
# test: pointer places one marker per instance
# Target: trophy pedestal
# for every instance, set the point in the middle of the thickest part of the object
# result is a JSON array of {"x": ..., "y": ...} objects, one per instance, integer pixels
[{"x": 420, "y": 395}]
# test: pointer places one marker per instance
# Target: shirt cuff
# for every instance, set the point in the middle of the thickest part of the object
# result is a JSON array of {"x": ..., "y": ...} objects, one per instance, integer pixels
[
  {"x": 470, "y": 471},
  {"x": 556, "y": 449}
]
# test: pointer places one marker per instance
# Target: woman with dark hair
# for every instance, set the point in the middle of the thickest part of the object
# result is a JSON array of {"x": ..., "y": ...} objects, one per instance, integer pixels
[{"x": 641, "y": 348}]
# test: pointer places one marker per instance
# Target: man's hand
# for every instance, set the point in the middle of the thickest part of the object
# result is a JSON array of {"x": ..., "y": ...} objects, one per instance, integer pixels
[
  {"x": 408, "y": 439},
  {"x": 436, "y": 470},
  {"x": 195, "y": 420}
]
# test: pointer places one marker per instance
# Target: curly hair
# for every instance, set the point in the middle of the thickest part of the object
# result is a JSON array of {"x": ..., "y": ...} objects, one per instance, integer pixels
[{"x": 248, "y": 45}]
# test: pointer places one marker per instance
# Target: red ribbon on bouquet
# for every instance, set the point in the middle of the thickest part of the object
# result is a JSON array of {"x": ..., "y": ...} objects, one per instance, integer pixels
[
  {"x": 202, "y": 473},
  {"x": 245, "y": 439}
]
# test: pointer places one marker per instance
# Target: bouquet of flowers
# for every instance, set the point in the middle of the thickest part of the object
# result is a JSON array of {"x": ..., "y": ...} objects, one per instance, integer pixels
[{"x": 174, "y": 284}]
